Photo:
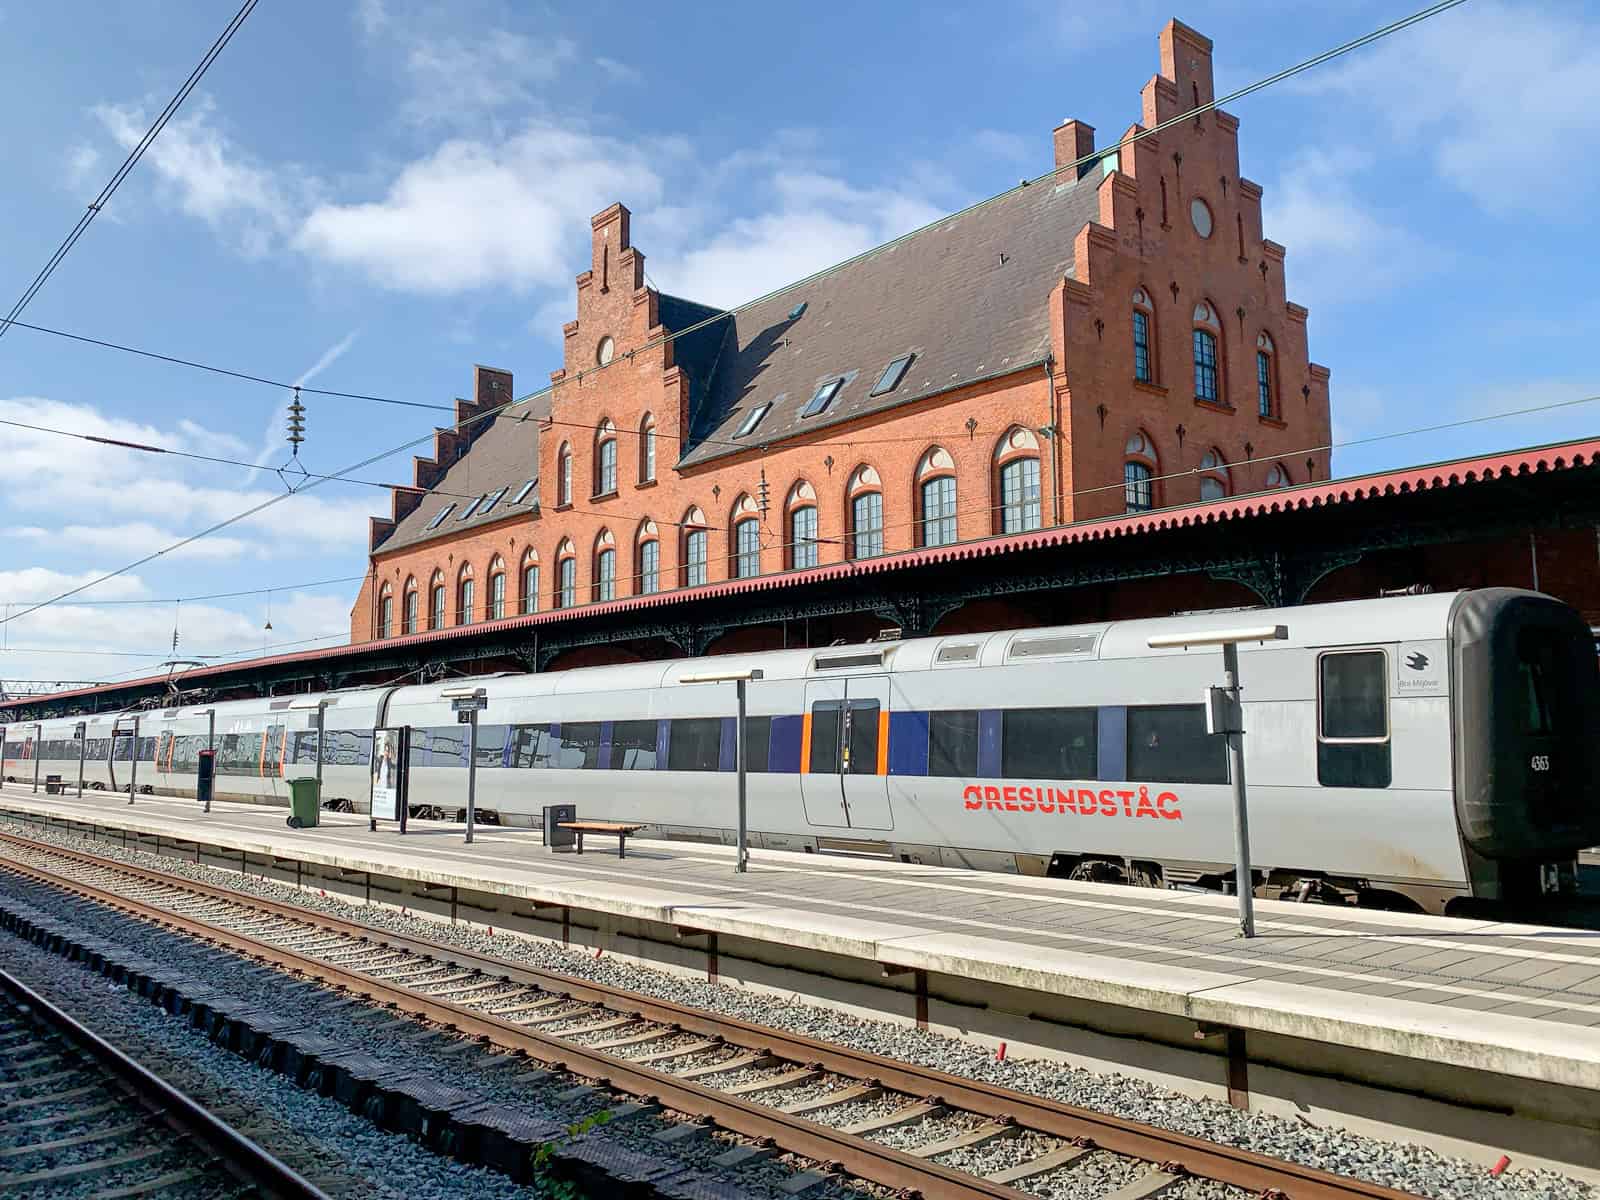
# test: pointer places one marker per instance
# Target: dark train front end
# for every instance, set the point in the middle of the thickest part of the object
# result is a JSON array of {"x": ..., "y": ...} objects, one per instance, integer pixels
[{"x": 1527, "y": 729}]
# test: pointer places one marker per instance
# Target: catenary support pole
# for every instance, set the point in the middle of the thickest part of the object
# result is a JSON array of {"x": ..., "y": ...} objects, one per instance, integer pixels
[
  {"x": 742, "y": 862},
  {"x": 322, "y": 712},
  {"x": 472, "y": 770},
  {"x": 1243, "y": 879},
  {"x": 211, "y": 745},
  {"x": 133, "y": 769},
  {"x": 83, "y": 747},
  {"x": 38, "y": 753}
]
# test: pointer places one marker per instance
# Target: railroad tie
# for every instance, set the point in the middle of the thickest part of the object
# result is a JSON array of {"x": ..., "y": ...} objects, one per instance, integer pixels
[
  {"x": 856, "y": 1091},
  {"x": 676, "y": 1052},
  {"x": 900, "y": 1116},
  {"x": 975, "y": 1137},
  {"x": 735, "y": 1063},
  {"x": 1065, "y": 1156},
  {"x": 783, "y": 1080},
  {"x": 1151, "y": 1184}
]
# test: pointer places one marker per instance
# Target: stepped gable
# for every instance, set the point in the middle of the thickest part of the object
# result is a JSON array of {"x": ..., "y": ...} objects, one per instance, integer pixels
[
  {"x": 504, "y": 453},
  {"x": 968, "y": 296}
]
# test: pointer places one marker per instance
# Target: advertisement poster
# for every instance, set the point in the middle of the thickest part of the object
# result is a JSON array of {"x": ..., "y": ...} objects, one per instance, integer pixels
[{"x": 388, "y": 769}]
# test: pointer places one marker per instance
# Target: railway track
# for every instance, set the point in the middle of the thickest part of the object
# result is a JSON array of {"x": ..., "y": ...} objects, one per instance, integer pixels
[
  {"x": 871, "y": 1117},
  {"x": 78, "y": 1117}
]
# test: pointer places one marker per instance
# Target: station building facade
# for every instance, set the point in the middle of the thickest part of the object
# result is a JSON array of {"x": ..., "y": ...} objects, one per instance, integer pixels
[{"x": 1113, "y": 338}]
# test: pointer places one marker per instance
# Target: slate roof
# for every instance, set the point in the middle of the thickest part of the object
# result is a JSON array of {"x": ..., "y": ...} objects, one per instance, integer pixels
[
  {"x": 968, "y": 296},
  {"x": 506, "y": 454}
]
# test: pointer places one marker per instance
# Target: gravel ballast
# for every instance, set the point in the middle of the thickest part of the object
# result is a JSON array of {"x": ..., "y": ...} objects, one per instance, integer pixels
[{"x": 1398, "y": 1165}]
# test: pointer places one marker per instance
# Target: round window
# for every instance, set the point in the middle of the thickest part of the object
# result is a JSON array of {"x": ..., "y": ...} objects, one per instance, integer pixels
[
  {"x": 1200, "y": 214},
  {"x": 606, "y": 349}
]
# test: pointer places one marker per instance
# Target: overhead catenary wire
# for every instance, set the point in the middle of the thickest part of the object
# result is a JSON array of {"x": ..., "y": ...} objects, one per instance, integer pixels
[
  {"x": 126, "y": 168},
  {"x": 1062, "y": 169},
  {"x": 282, "y": 587}
]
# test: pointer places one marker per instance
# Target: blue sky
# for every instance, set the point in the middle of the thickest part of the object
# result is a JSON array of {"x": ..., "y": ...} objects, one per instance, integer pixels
[{"x": 375, "y": 195}]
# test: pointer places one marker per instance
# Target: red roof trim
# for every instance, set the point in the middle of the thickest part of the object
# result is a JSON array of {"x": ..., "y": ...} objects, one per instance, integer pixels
[{"x": 1537, "y": 460}]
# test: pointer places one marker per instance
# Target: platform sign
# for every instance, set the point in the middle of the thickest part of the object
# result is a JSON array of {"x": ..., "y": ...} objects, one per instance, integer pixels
[
  {"x": 389, "y": 773},
  {"x": 78, "y": 730},
  {"x": 469, "y": 704}
]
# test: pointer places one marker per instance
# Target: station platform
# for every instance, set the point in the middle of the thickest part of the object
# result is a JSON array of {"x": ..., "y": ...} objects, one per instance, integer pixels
[{"x": 1438, "y": 999}]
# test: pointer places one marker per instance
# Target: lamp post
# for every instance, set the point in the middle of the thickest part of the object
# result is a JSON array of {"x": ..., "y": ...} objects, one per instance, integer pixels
[
  {"x": 739, "y": 679},
  {"x": 133, "y": 768},
  {"x": 81, "y": 731},
  {"x": 38, "y": 753},
  {"x": 321, "y": 705},
  {"x": 1225, "y": 715},
  {"x": 467, "y": 703}
]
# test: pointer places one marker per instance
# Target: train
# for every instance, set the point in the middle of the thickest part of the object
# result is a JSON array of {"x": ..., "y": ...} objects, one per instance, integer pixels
[{"x": 1421, "y": 753}]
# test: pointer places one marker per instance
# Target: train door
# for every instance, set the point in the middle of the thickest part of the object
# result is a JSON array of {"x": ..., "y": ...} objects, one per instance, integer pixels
[{"x": 846, "y": 780}]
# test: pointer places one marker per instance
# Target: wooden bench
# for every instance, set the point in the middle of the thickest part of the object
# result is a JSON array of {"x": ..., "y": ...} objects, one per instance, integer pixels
[{"x": 618, "y": 829}]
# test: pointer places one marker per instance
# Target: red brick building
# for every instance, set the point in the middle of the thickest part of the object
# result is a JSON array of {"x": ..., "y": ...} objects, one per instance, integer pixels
[{"x": 1114, "y": 338}]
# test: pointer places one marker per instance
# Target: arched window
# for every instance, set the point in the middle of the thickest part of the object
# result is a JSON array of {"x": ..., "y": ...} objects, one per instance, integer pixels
[
  {"x": 566, "y": 594},
  {"x": 1138, "y": 474},
  {"x": 385, "y": 611},
  {"x": 497, "y": 589},
  {"x": 605, "y": 459},
  {"x": 647, "y": 449},
  {"x": 1213, "y": 475},
  {"x": 409, "y": 610},
  {"x": 564, "y": 475},
  {"x": 605, "y": 567},
  {"x": 1144, "y": 329},
  {"x": 648, "y": 557},
  {"x": 464, "y": 595},
  {"x": 696, "y": 547},
  {"x": 1266, "y": 377},
  {"x": 801, "y": 507},
  {"x": 1017, "y": 481},
  {"x": 746, "y": 539},
  {"x": 866, "y": 513},
  {"x": 530, "y": 581},
  {"x": 1207, "y": 361},
  {"x": 436, "y": 602},
  {"x": 936, "y": 498},
  {"x": 1277, "y": 476}
]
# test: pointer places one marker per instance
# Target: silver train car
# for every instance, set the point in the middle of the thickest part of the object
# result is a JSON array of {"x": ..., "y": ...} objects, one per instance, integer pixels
[{"x": 1423, "y": 753}]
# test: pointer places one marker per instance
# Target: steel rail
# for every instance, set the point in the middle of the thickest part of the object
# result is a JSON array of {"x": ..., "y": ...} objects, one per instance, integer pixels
[
  {"x": 1191, "y": 1155},
  {"x": 242, "y": 1158}
]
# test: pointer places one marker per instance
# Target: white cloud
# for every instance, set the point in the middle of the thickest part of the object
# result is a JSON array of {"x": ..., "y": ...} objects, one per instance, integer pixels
[
  {"x": 133, "y": 539},
  {"x": 1341, "y": 247},
  {"x": 247, "y": 204},
  {"x": 1501, "y": 98},
  {"x": 477, "y": 214},
  {"x": 81, "y": 163},
  {"x": 372, "y": 17},
  {"x": 817, "y": 221},
  {"x": 618, "y": 71}
]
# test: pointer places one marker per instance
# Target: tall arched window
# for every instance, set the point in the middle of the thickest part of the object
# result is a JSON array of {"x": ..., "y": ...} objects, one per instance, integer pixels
[
  {"x": 696, "y": 547},
  {"x": 1207, "y": 356},
  {"x": 801, "y": 507},
  {"x": 1144, "y": 341},
  {"x": 865, "y": 495},
  {"x": 648, "y": 557},
  {"x": 605, "y": 459},
  {"x": 409, "y": 607},
  {"x": 1138, "y": 474},
  {"x": 464, "y": 595},
  {"x": 647, "y": 449},
  {"x": 385, "y": 611},
  {"x": 746, "y": 539},
  {"x": 1277, "y": 476},
  {"x": 1266, "y": 377},
  {"x": 436, "y": 601},
  {"x": 566, "y": 594},
  {"x": 496, "y": 607},
  {"x": 564, "y": 475},
  {"x": 530, "y": 581},
  {"x": 936, "y": 498},
  {"x": 605, "y": 567},
  {"x": 1017, "y": 482},
  {"x": 1213, "y": 476}
]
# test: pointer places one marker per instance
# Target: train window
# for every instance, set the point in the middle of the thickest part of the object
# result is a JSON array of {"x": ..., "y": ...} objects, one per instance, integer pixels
[
  {"x": 863, "y": 737},
  {"x": 757, "y": 744},
  {"x": 696, "y": 744},
  {"x": 1169, "y": 744},
  {"x": 531, "y": 746},
  {"x": 491, "y": 745},
  {"x": 1353, "y": 719},
  {"x": 827, "y": 719},
  {"x": 1538, "y": 669},
  {"x": 577, "y": 746},
  {"x": 633, "y": 746},
  {"x": 447, "y": 746},
  {"x": 1049, "y": 743},
  {"x": 953, "y": 744}
]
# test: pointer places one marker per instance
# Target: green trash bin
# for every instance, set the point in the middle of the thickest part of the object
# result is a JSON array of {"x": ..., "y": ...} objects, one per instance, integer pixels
[{"x": 304, "y": 803}]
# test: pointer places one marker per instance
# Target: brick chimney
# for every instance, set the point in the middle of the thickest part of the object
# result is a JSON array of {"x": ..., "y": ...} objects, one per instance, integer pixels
[{"x": 1074, "y": 140}]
